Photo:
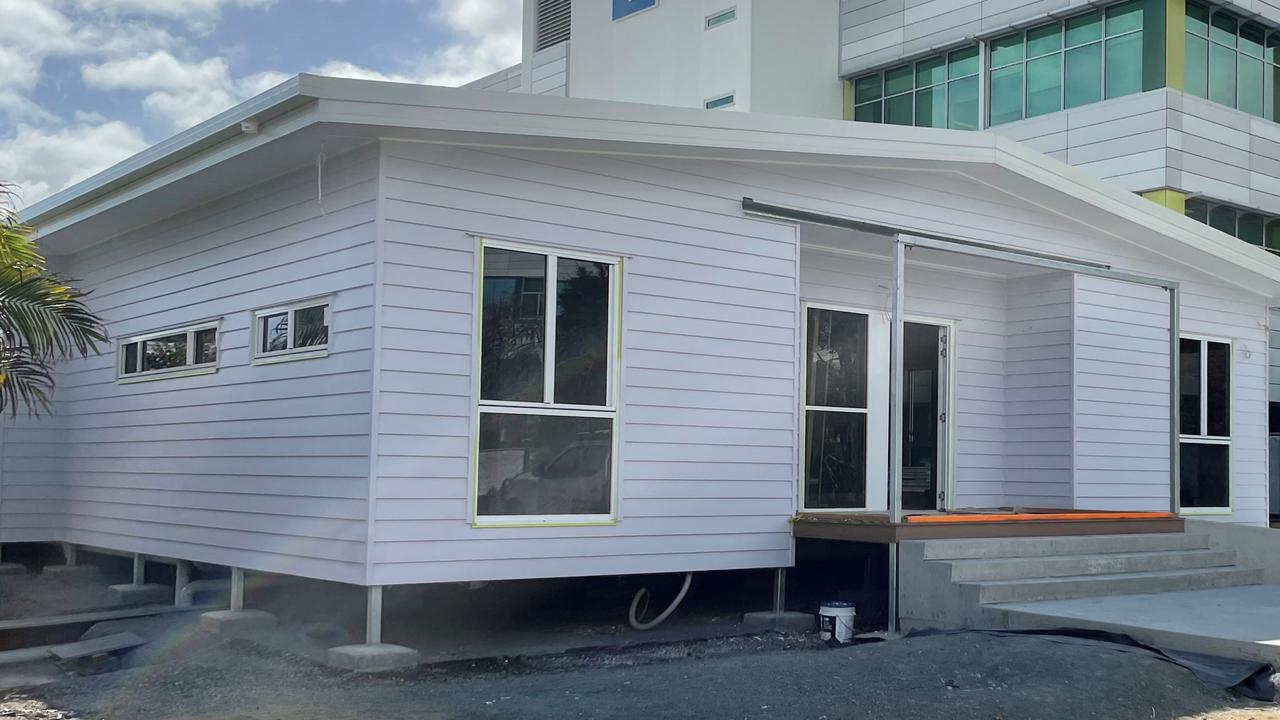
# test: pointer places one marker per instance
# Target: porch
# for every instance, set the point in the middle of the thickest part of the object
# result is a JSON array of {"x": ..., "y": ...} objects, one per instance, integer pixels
[{"x": 1007, "y": 522}]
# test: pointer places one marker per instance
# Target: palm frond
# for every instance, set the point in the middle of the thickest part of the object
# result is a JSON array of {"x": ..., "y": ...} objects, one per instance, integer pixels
[
  {"x": 45, "y": 315},
  {"x": 24, "y": 380}
]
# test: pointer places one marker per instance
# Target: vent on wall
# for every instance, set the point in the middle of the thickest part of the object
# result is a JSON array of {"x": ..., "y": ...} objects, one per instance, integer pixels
[{"x": 553, "y": 23}]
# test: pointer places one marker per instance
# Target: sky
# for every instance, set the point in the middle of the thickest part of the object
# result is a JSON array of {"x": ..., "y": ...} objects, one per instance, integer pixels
[{"x": 86, "y": 83}]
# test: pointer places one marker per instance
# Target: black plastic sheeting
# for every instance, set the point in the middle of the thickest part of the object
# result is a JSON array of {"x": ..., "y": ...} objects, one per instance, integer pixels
[{"x": 1250, "y": 678}]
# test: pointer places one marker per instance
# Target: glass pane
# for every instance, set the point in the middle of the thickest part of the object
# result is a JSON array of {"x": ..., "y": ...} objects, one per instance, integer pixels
[
  {"x": 962, "y": 63},
  {"x": 836, "y": 348},
  {"x": 867, "y": 113},
  {"x": 1198, "y": 210},
  {"x": 1204, "y": 472},
  {"x": 930, "y": 71},
  {"x": 1044, "y": 40},
  {"x": 1222, "y": 75},
  {"x": 1272, "y": 50},
  {"x": 1124, "y": 18},
  {"x": 931, "y": 107},
  {"x": 1084, "y": 75},
  {"x": 1198, "y": 18},
  {"x": 1249, "y": 228},
  {"x": 1252, "y": 37},
  {"x": 1189, "y": 387},
  {"x": 898, "y": 110},
  {"x": 513, "y": 322},
  {"x": 1084, "y": 28},
  {"x": 835, "y": 459},
  {"x": 1249, "y": 85},
  {"x": 206, "y": 350},
  {"x": 1006, "y": 94},
  {"x": 898, "y": 80},
  {"x": 310, "y": 328},
  {"x": 1223, "y": 218},
  {"x": 544, "y": 465},
  {"x": 1124, "y": 65},
  {"x": 1196, "y": 65},
  {"x": 275, "y": 332},
  {"x": 1273, "y": 235},
  {"x": 131, "y": 358},
  {"x": 166, "y": 352},
  {"x": 1270, "y": 81},
  {"x": 1223, "y": 29},
  {"x": 866, "y": 88},
  {"x": 962, "y": 104},
  {"x": 582, "y": 332},
  {"x": 1005, "y": 50},
  {"x": 1218, "y": 402},
  {"x": 1044, "y": 85}
]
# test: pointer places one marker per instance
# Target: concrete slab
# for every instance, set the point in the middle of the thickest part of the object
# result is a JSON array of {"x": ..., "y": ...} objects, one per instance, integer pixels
[
  {"x": 238, "y": 622},
  {"x": 12, "y": 569},
  {"x": 793, "y": 621},
  {"x": 148, "y": 594},
  {"x": 1239, "y": 622},
  {"x": 372, "y": 658},
  {"x": 71, "y": 572}
]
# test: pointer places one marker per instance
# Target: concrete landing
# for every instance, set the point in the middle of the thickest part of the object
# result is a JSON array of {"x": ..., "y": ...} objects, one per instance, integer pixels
[{"x": 1241, "y": 622}]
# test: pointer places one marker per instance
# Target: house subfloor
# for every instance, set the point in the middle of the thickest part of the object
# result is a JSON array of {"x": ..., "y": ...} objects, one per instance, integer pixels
[{"x": 873, "y": 527}]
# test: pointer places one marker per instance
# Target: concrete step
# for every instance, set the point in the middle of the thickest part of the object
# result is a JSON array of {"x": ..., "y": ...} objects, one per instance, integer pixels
[
  {"x": 1061, "y": 545},
  {"x": 1051, "y": 566},
  {"x": 1078, "y": 586}
]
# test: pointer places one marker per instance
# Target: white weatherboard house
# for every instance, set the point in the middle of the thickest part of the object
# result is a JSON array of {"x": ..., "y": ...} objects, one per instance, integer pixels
[{"x": 386, "y": 334}]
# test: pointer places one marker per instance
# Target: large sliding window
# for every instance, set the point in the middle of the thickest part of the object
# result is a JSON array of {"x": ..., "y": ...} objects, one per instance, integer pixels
[
  {"x": 835, "y": 409},
  {"x": 937, "y": 91},
  {"x": 548, "y": 414},
  {"x": 1204, "y": 419},
  {"x": 1232, "y": 61},
  {"x": 1067, "y": 63},
  {"x": 1252, "y": 227}
]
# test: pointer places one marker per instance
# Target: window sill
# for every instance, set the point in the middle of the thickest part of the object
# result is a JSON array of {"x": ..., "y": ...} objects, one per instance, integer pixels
[
  {"x": 165, "y": 375},
  {"x": 290, "y": 356},
  {"x": 1205, "y": 511},
  {"x": 549, "y": 521}
]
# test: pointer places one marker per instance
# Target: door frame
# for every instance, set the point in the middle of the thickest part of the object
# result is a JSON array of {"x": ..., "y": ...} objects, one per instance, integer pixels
[{"x": 946, "y": 399}]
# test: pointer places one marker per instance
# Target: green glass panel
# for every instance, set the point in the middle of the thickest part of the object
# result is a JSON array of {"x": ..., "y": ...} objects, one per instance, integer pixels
[
  {"x": 1252, "y": 37},
  {"x": 1196, "y": 66},
  {"x": 1198, "y": 210},
  {"x": 1007, "y": 49},
  {"x": 1044, "y": 85},
  {"x": 1249, "y": 228},
  {"x": 1223, "y": 218},
  {"x": 898, "y": 80},
  {"x": 962, "y": 104},
  {"x": 931, "y": 107},
  {"x": 1006, "y": 94},
  {"x": 1272, "y": 51},
  {"x": 1085, "y": 28},
  {"x": 1270, "y": 96},
  {"x": 1124, "y": 65},
  {"x": 1273, "y": 235},
  {"x": 1198, "y": 18},
  {"x": 899, "y": 110},
  {"x": 867, "y": 113},
  {"x": 1222, "y": 75},
  {"x": 1125, "y": 17},
  {"x": 867, "y": 88},
  {"x": 1223, "y": 29},
  {"x": 1084, "y": 75},
  {"x": 1044, "y": 39},
  {"x": 1249, "y": 85},
  {"x": 962, "y": 63},
  {"x": 930, "y": 71}
]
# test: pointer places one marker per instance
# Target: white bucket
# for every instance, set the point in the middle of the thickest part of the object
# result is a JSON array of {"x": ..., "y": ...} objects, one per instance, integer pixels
[{"x": 835, "y": 620}]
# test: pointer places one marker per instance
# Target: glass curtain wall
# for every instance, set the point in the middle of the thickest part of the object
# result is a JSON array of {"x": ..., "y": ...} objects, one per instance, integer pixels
[
  {"x": 1253, "y": 227},
  {"x": 937, "y": 91},
  {"x": 1231, "y": 61}
]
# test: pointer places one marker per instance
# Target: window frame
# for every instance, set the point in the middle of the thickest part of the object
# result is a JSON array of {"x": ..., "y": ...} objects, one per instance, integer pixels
[
  {"x": 188, "y": 370},
  {"x": 1270, "y": 67},
  {"x": 945, "y": 84},
  {"x": 261, "y": 357},
  {"x": 613, "y": 382},
  {"x": 1203, "y": 438}
]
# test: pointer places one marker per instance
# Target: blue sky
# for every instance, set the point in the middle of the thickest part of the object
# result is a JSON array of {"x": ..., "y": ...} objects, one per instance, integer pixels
[{"x": 86, "y": 83}]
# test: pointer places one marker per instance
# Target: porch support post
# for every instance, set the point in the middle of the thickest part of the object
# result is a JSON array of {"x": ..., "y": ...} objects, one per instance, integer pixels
[
  {"x": 895, "y": 419},
  {"x": 237, "y": 589},
  {"x": 1175, "y": 397},
  {"x": 373, "y": 616}
]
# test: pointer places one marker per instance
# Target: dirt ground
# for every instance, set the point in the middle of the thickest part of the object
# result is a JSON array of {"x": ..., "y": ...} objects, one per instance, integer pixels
[{"x": 198, "y": 677}]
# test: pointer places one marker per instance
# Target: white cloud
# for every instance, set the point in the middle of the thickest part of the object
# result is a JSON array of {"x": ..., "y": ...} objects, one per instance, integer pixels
[{"x": 43, "y": 160}]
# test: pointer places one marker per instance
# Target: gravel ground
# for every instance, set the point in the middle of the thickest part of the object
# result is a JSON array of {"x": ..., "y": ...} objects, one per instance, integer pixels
[
  {"x": 767, "y": 676},
  {"x": 23, "y": 596}
]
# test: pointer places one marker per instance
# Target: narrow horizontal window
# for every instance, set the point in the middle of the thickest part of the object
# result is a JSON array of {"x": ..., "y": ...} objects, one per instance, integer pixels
[
  {"x": 717, "y": 103},
  {"x": 169, "y": 352},
  {"x": 723, "y": 17},
  {"x": 291, "y": 331}
]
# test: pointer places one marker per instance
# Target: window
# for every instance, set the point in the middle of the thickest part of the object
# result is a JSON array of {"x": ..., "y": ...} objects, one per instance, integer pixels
[
  {"x": 1231, "y": 61},
  {"x": 835, "y": 409},
  {"x": 937, "y": 91},
  {"x": 1204, "y": 420},
  {"x": 291, "y": 332},
  {"x": 1252, "y": 227},
  {"x": 181, "y": 351},
  {"x": 724, "y": 17},
  {"x": 1067, "y": 63},
  {"x": 547, "y": 414},
  {"x": 716, "y": 103},
  {"x": 626, "y": 8}
]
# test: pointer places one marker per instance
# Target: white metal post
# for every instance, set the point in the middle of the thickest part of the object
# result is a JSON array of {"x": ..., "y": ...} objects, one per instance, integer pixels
[
  {"x": 139, "y": 569},
  {"x": 1175, "y": 398},
  {"x": 237, "y": 589},
  {"x": 895, "y": 420},
  {"x": 373, "y": 616}
]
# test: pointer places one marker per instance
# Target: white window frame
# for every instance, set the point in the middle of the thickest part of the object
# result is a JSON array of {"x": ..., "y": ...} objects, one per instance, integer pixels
[
  {"x": 290, "y": 353},
  {"x": 609, "y": 410},
  {"x": 187, "y": 370},
  {"x": 1203, "y": 438},
  {"x": 719, "y": 19},
  {"x": 731, "y": 97}
]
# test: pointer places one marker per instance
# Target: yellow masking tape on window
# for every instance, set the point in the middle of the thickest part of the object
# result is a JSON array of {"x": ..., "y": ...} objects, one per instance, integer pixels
[{"x": 1175, "y": 200}]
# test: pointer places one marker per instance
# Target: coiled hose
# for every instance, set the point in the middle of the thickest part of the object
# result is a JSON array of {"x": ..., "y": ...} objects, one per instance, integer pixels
[{"x": 643, "y": 595}]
